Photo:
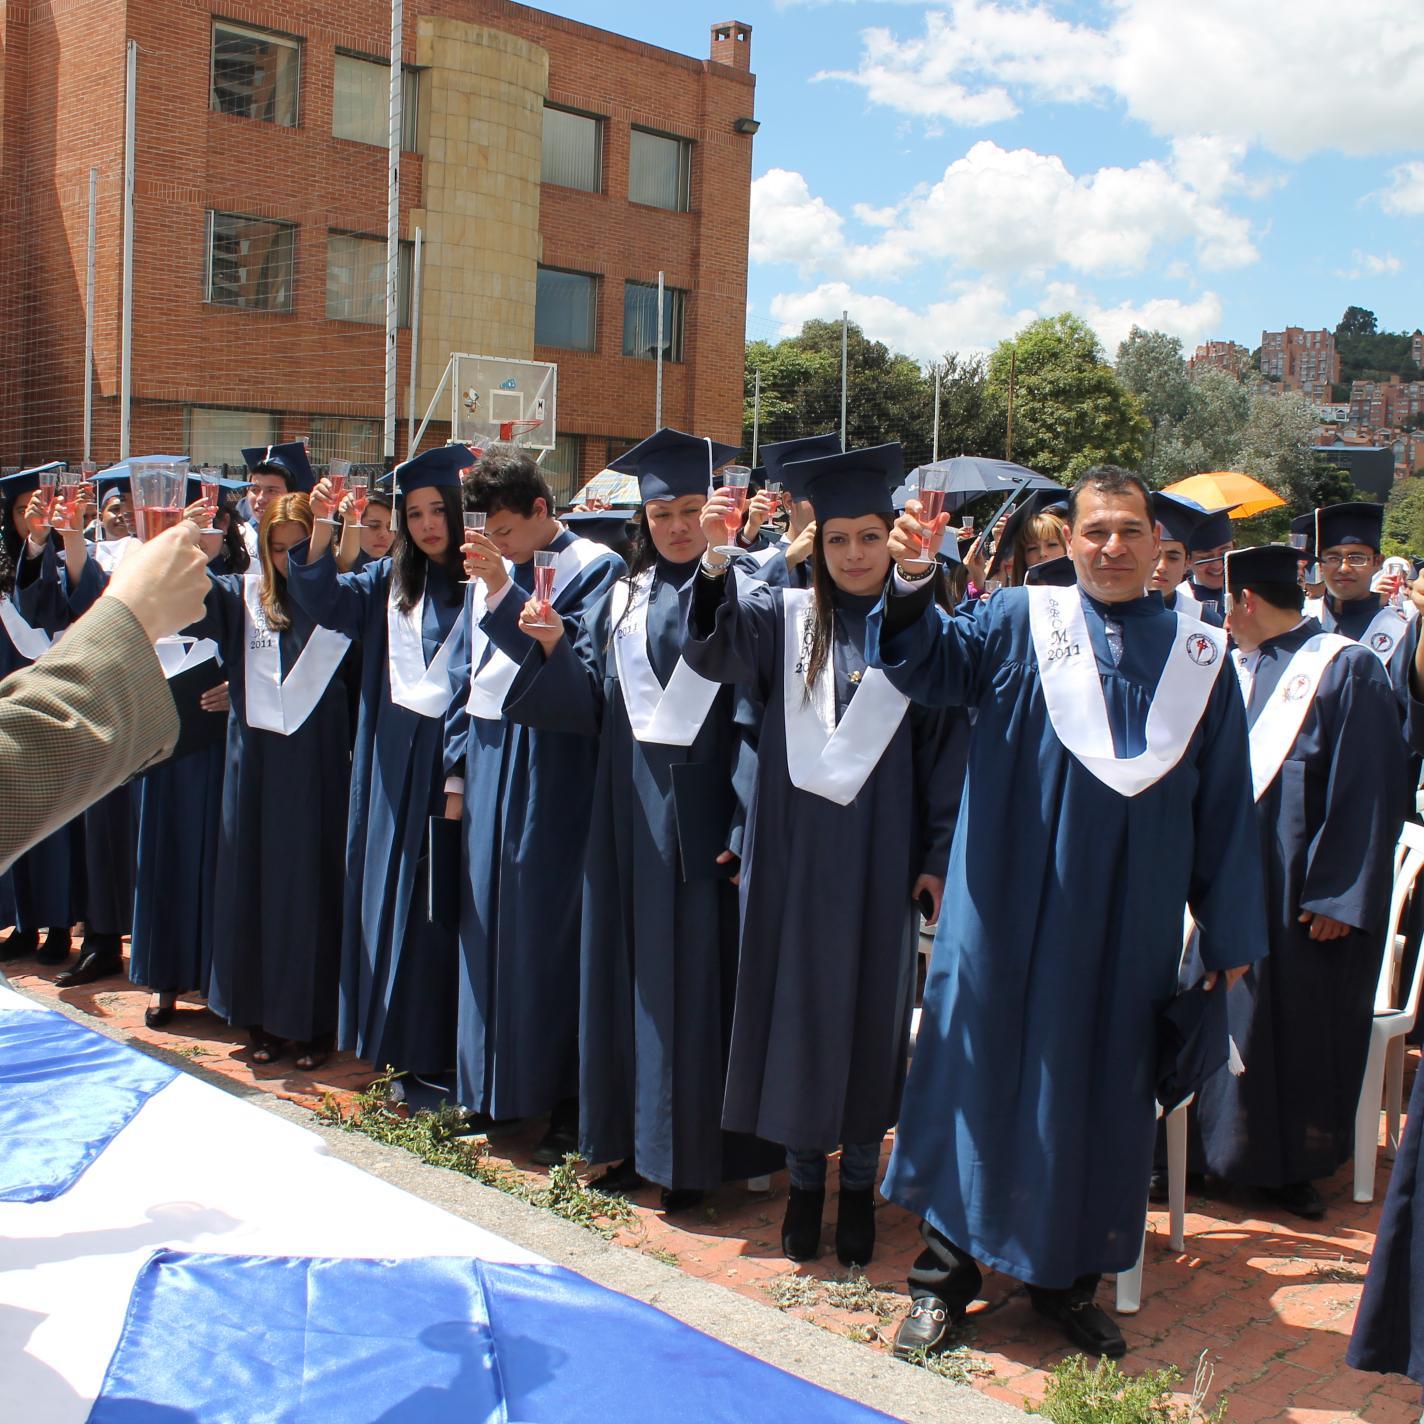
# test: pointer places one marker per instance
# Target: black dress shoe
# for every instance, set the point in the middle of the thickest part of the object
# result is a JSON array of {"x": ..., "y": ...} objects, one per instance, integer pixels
[
  {"x": 559, "y": 1142},
  {"x": 619, "y": 1180},
  {"x": 56, "y": 948},
  {"x": 925, "y": 1328},
  {"x": 91, "y": 966},
  {"x": 675, "y": 1199},
  {"x": 158, "y": 1015},
  {"x": 19, "y": 944},
  {"x": 1299, "y": 1198},
  {"x": 855, "y": 1227},
  {"x": 801, "y": 1227},
  {"x": 1085, "y": 1323},
  {"x": 1157, "y": 1186}
]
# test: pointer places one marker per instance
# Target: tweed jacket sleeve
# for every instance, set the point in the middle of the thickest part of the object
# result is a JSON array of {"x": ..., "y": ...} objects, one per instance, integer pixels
[{"x": 92, "y": 712}]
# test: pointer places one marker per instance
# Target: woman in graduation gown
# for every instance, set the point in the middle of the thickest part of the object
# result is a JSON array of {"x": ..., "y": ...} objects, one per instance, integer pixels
[
  {"x": 659, "y": 935},
  {"x": 52, "y": 581},
  {"x": 179, "y": 807},
  {"x": 277, "y": 924},
  {"x": 849, "y": 823},
  {"x": 397, "y": 992}
]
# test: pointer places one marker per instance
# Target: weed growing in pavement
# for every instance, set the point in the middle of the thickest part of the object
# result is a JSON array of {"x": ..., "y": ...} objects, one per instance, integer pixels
[
  {"x": 661, "y": 1253},
  {"x": 192, "y": 1051},
  {"x": 856, "y": 1293},
  {"x": 1080, "y": 1393},
  {"x": 956, "y": 1363},
  {"x": 793, "y": 1292},
  {"x": 436, "y": 1138}
]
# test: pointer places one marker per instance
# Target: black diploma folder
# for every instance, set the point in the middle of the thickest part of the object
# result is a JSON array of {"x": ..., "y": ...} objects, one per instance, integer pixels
[{"x": 444, "y": 873}]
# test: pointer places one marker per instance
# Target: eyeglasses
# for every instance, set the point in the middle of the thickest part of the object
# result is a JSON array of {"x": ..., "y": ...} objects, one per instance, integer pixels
[{"x": 1354, "y": 561}]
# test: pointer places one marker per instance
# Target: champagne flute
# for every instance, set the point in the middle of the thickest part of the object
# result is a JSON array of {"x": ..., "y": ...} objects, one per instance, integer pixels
[
  {"x": 336, "y": 473},
  {"x": 932, "y": 495},
  {"x": 49, "y": 485},
  {"x": 545, "y": 563},
  {"x": 474, "y": 524},
  {"x": 64, "y": 512},
  {"x": 736, "y": 480},
  {"x": 360, "y": 493},
  {"x": 212, "y": 494},
  {"x": 777, "y": 493}
]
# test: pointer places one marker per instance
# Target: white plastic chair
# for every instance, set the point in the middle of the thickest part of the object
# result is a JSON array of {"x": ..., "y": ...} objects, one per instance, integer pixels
[
  {"x": 1396, "y": 1008},
  {"x": 1129, "y": 1283}
]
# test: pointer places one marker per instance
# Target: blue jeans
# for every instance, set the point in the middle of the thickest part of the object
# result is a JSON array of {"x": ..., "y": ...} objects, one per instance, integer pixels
[{"x": 860, "y": 1161}]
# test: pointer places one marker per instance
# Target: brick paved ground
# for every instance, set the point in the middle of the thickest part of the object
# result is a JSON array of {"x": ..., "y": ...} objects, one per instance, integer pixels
[{"x": 1270, "y": 1303}]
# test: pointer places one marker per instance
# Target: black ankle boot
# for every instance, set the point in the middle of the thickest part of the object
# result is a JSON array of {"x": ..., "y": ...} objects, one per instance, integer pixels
[
  {"x": 855, "y": 1226},
  {"x": 19, "y": 944},
  {"x": 801, "y": 1228},
  {"x": 56, "y": 948}
]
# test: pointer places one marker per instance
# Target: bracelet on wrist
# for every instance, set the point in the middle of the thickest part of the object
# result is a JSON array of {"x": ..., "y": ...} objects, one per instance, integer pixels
[{"x": 910, "y": 576}]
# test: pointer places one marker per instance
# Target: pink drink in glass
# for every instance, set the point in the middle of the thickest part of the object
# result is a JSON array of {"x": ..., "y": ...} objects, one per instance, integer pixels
[
  {"x": 737, "y": 511},
  {"x": 544, "y": 583},
  {"x": 65, "y": 510},
  {"x": 212, "y": 495},
  {"x": 151, "y": 520},
  {"x": 932, "y": 494}
]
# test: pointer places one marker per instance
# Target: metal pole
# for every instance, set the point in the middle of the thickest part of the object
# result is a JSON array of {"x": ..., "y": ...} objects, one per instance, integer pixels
[
  {"x": 939, "y": 372},
  {"x": 756, "y": 417},
  {"x": 126, "y": 339},
  {"x": 845, "y": 341},
  {"x": 658, "y": 408},
  {"x": 416, "y": 278},
  {"x": 1009, "y": 432},
  {"x": 393, "y": 222},
  {"x": 89, "y": 316}
]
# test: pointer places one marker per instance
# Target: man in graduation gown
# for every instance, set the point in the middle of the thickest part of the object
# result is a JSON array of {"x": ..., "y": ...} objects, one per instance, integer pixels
[
  {"x": 1210, "y": 541},
  {"x": 1177, "y": 522},
  {"x": 1328, "y": 771},
  {"x": 524, "y": 798},
  {"x": 274, "y": 470},
  {"x": 786, "y": 563},
  {"x": 1108, "y": 789}
]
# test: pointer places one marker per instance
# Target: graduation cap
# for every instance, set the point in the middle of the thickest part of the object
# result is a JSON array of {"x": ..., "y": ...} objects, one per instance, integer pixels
[
  {"x": 781, "y": 453},
  {"x": 440, "y": 468},
  {"x": 1061, "y": 572},
  {"x": 1036, "y": 502},
  {"x": 849, "y": 484},
  {"x": 670, "y": 464},
  {"x": 1357, "y": 523},
  {"x": 290, "y": 458},
  {"x": 609, "y": 527},
  {"x": 1180, "y": 518},
  {"x": 24, "y": 482},
  {"x": 1213, "y": 531},
  {"x": 1266, "y": 563}
]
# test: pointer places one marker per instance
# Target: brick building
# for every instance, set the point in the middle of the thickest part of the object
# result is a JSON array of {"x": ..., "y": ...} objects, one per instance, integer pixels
[
  {"x": 553, "y": 169},
  {"x": 1299, "y": 360},
  {"x": 1389, "y": 404},
  {"x": 1229, "y": 356}
]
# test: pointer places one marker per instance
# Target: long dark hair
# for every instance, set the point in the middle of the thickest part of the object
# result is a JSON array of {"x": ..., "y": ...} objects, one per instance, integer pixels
[
  {"x": 10, "y": 544},
  {"x": 409, "y": 563},
  {"x": 823, "y": 608},
  {"x": 642, "y": 555},
  {"x": 234, "y": 546},
  {"x": 7, "y": 570}
]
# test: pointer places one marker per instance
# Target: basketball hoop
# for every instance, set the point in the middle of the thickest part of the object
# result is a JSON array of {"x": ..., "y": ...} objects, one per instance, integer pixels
[{"x": 512, "y": 430}]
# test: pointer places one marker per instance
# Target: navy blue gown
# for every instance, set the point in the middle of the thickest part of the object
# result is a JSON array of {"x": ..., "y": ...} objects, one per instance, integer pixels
[
  {"x": 658, "y": 956},
  {"x": 1027, "y": 1130},
  {"x": 826, "y": 983},
  {"x": 277, "y": 927},
  {"x": 1327, "y": 827},
  {"x": 397, "y": 995},
  {"x": 528, "y": 797}
]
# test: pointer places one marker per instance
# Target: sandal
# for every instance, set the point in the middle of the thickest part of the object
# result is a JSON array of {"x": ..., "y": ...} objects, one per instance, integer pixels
[
  {"x": 312, "y": 1056},
  {"x": 265, "y": 1048}
]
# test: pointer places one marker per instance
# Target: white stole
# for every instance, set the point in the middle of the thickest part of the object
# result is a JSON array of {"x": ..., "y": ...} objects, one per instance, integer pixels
[
  {"x": 1280, "y": 720},
  {"x": 274, "y": 703},
  {"x": 1383, "y": 636},
  {"x": 180, "y": 653},
  {"x": 1187, "y": 602},
  {"x": 673, "y": 715},
  {"x": 1077, "y": 707},
  {"x": 825, "y": 759},
  {"x": 110, "y": 553},
  {"x": 490, "y": 682},
  {"x": 30, "y": 643},
  {"x": 415, "y": 686}
]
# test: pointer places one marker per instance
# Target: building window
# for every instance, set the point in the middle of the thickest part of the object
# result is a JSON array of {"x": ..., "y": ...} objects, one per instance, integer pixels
[
  {"x": 560, "y": 467},
  {"x": 573, "y": 150},
  {"x": 361, "y": 102},
  {"x": 566, "y": 310},
  {"x": 218, "y": 437},
  {"x": 640, "y": 320},
  {"x": 356, "y": 279},
  {"x": 336, "y": 437},
  {"x": 250, "y": 262},
  {"x": 660, "y": 171},
  {"x": 255, "y": 75}
]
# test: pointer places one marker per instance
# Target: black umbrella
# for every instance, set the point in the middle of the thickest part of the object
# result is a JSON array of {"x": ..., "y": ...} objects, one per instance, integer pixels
[{"x": 967, "y": 477}]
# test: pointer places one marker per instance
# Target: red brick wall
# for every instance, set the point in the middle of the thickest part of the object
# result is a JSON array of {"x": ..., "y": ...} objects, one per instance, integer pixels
[{"x": 63, "y": 111}]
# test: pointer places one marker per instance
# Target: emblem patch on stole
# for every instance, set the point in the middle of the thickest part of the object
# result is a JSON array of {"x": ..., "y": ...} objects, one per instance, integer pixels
[
  {"x": 1381, "y": 641},
  {"x": 1201, "y": 650},
  {"x": 1296, "y": 688}
]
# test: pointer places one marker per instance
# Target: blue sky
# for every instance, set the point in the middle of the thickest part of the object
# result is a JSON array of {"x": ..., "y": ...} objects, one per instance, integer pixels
[{"x": 949, "y": 171}]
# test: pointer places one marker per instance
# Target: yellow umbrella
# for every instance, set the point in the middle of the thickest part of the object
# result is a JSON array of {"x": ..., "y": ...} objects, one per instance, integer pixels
[{"x": 1221, "y": 488}]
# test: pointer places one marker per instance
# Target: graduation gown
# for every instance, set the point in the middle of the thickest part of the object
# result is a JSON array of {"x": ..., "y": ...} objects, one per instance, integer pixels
[
  {"x": 658, "y": 954},
  {"x": 826, "y": 983},
  {"x": 1027, "y": 1130},
  {"x": 277, "y": 926},
  {"x": 528, "y": 798},
  {"x": 396, "y": 1003},
  {"x": 771, "y": 567},
  {"x": 1327, "y": 827}
]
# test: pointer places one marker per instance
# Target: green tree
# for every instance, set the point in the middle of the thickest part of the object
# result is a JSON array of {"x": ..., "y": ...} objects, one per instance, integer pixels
[
  {"x": 1208, "y": 435},
  {"x": 1404, "y": 518},
  {"x": 970, "y": 421},
  {"x": 1070, "y": 411},
  {"x": 1357, "y": 321},
  {"x": 1151, "y": 366}
]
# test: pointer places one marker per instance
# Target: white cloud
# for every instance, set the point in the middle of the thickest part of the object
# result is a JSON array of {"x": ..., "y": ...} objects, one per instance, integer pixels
[
  {"x": 1296, "y": 76},
  {"x": 1366, "y": 264},
  {"x": 1011, "y": 212},
  {"x": 1193, "y": 321},
  {"x": 1405, "y": 195}
]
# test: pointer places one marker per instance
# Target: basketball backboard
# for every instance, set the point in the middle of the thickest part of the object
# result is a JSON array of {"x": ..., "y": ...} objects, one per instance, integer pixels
[{"x": 501, "y": 400}]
